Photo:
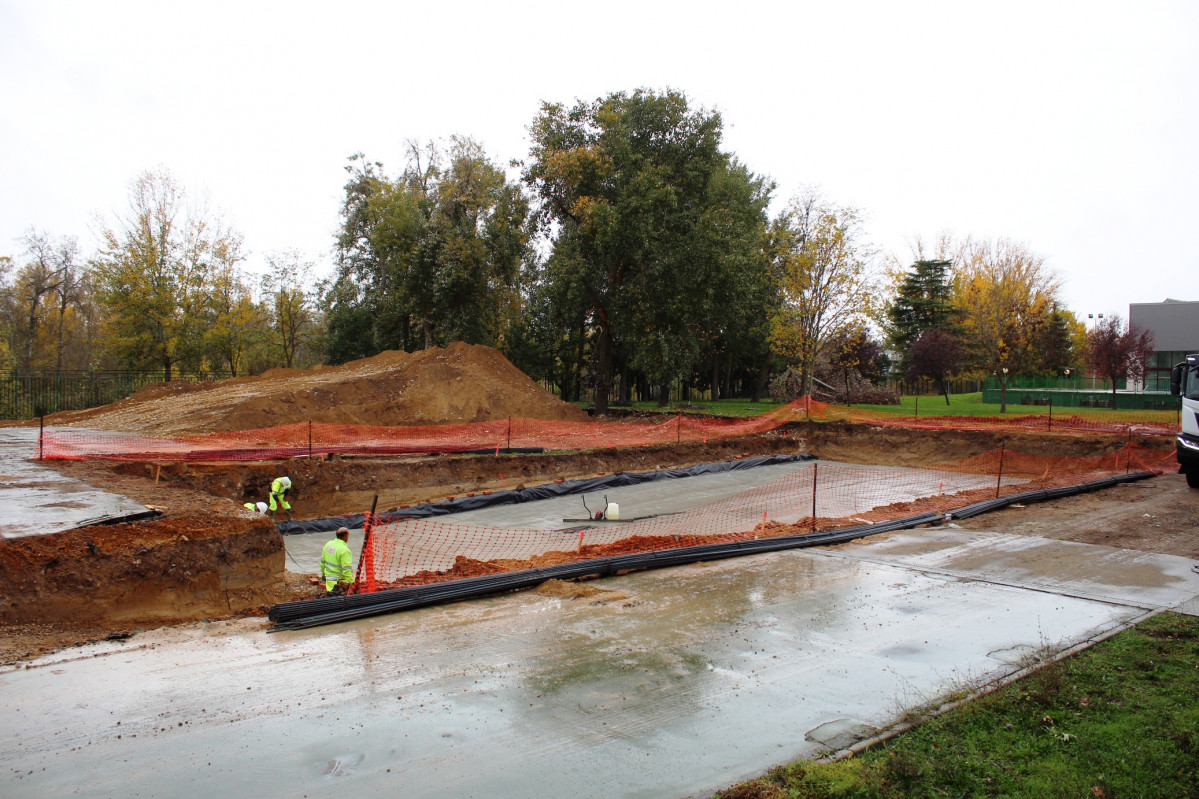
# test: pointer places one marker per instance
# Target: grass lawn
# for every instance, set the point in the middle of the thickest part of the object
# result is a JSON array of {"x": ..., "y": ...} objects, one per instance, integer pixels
[
  {"x": 723, "y": 407},
  {"x": 960, "y": 405},
  {"x": 912, "y": 405},
  {"x": 1117, "y": 720}
]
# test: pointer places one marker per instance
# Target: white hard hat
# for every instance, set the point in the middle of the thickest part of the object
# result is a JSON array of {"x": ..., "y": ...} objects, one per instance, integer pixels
[
  {"x": 286, "y": 481},
  {"x": 262, "y": 507}
]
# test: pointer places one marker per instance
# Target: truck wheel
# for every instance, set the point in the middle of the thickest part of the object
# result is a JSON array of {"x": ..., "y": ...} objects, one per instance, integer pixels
[{"x": 1193, "y": 478}]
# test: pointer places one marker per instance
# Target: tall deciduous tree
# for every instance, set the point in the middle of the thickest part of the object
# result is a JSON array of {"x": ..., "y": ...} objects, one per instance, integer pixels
[
  {"x": 235, "y": 323},
  {"x": 8, "y": 312},
  {"x": 1118, "y": 353},
  {"x": 1006, "y": 296},
  {"x": 51, "y": 263},
  {"x": 154, "y": 273},
  {"x": 632, "y": 186},
  {"x": 824, "y": 271},
  {"x": 430, "y": 257},
  {"x": 285, "y": 289}
]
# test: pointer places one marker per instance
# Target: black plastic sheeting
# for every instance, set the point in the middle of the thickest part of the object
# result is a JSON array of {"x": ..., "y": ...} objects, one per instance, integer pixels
[
  {"x": 137, "y": 516},
  {"x": 1044, "y": 495},
  {"x": 331, "y": 610},
  {"x": 460, "y": 504}
]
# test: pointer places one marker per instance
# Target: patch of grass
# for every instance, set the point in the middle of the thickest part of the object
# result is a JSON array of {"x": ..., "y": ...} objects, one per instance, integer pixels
[
  {"x": 723, "y": 407},
  {"x": 1117, "y": 720},
  {"x": 911, "y": 405},
  {"x": 959, "y": 405}
]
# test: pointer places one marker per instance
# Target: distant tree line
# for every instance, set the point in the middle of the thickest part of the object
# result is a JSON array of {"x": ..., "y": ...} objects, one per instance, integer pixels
[
  {"x": 165, "y": 292},
  {"x": 631, "y": 253}
]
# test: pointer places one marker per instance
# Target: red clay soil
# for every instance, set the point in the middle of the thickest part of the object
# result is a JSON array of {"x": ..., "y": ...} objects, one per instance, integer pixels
[
  {"x": 460, "y": 383},
  {"x": 82, "y": 584}
]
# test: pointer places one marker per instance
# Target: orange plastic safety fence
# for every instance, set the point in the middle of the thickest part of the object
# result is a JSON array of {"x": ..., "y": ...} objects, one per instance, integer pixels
[
  {"x": 315, "y": 439},
  {"x": 816, "y": 496},
  {"x": 1147, "y": 423}
]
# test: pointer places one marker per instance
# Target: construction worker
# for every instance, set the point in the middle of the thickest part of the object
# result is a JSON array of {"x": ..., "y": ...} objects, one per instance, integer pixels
[
  {"x": 337, "y": 564},
  {"x": 261, "y": 507},
  {"x": 279, "y": 488}
]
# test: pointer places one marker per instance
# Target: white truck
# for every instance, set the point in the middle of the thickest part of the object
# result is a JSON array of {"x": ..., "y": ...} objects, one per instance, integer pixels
[{"x": 1184, "y": 382}]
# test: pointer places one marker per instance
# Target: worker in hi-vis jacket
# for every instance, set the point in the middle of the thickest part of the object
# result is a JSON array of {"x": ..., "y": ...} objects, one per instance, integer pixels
[
  {"x": 278, "y": 499},
  {"x": 337, "y": 563}
]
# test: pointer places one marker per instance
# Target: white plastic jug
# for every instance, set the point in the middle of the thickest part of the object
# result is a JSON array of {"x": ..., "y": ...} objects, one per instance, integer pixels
[{"x": 613, "y": 512}]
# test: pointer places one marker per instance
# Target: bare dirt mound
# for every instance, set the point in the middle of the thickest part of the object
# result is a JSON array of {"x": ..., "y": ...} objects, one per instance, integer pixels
[{"x": 461, "y": 383}]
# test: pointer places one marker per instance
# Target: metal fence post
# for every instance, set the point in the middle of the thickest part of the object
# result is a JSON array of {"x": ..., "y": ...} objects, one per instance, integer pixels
[
  {"x": 999, "y": 479},
  {"x": 815, "y": 472}
]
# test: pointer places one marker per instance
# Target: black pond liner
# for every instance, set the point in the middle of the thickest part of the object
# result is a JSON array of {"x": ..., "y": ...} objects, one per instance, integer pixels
[
  {"x": 547, "y": 491},
  {"x": 136, "y": 516},
  {"x": 330, "y": 610}
]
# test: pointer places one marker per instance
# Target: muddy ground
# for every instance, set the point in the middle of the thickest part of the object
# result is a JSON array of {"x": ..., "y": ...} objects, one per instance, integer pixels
[{"x": 208, "y": 558}]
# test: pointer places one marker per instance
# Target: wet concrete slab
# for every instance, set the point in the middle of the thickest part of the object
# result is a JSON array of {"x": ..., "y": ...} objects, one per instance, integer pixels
[
  {"x": 695, "y": 678},
  {"x": 1141, "y": 579},
  {"x": 844, "y": 489},
  {"x": 304, "y": 550},
  {"x": 38, "y": 500}
]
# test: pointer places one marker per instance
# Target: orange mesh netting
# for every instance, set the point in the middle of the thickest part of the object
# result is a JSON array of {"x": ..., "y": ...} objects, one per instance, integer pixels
[
  {"x": 1101, "y": 421},
  {"x": 308, "y": 439},
  {"x": 818, "y": 496}
]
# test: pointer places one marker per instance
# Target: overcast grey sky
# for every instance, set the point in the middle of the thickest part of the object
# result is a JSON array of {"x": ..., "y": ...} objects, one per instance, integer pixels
[{"x": 1070, "y": 126}]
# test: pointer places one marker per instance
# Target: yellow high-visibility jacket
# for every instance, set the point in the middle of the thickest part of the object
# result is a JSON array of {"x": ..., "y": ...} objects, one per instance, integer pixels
[
  {"x": 279, "y": 495},
  {"x": 337, "y": 564}
]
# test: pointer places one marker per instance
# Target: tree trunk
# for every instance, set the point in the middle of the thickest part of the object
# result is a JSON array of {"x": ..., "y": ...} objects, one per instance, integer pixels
[
  {"x": 32, "y": 331},
  {"x": 1003, "y": 394},
  {"x": 715, "y": 376},
  {"x": 603, "y": 368},
  {"x": 760, "y": 383},
  {"x": 664, "y": 394},
  {"x": 62, "y": 313},
  {"x": 577, "y": 391}
]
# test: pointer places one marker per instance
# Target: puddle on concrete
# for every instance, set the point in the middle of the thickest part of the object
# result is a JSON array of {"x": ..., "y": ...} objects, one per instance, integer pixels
[
  {"x": 1016, "y": 655},
  {"x": 39, "y": 500},
  {"x": 840, "y": 733},
  {"x": 708, "y": 673}
]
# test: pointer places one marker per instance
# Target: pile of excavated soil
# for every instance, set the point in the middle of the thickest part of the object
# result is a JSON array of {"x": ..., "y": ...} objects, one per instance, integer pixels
[{"x": 461, "y": 383}]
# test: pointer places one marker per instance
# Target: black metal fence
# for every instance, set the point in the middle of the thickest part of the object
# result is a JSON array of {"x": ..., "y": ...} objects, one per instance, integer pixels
[{"x": 29, "y": 394}]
